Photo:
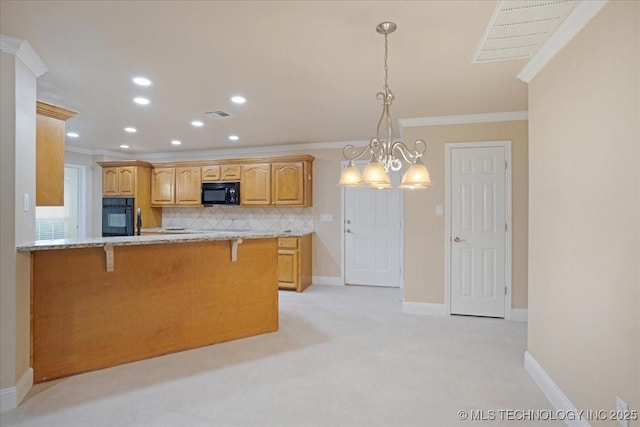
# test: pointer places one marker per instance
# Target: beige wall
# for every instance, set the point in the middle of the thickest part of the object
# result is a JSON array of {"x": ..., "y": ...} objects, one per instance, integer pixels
[
  {"x": 584, "y": 252},
  {"x": 17, "y": 226},
  {"x": 424, "y": 231}
]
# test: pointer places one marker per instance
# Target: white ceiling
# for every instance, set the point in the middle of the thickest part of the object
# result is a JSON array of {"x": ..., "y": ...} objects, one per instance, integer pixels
[{"x": 310, "y": 70}]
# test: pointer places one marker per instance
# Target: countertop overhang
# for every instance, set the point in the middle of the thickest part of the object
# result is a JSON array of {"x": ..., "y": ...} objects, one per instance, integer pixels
[{"x": 165, "y": 238}]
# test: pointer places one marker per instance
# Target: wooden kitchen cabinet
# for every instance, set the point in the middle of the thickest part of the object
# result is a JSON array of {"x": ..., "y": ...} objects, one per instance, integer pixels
[
  {"x": 176, "y": 186},
  {"x": 50, "y": 123},
  {"x": 256, "y": 184},
  {"x": 295, "y": 262},
  {"x": 288, "y": 183},
  {"x": 230, "y": 172},
  {"x": 188, "y": 186},
  {"x": 276, "y": 184},
  {"x": 163, "y": 186},
  {"x": 210, "y": 173},
  {"x": 131, "y": 178},
  {"x": 264, "y": 181},
  {"x": 119, "y": 181}
]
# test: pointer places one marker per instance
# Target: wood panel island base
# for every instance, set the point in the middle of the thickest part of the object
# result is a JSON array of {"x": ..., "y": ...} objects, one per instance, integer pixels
[{"x": 159, "y": 298}]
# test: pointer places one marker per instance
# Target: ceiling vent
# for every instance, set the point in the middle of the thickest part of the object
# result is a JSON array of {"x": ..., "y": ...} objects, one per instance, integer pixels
[
  {"x": 517, "y": 28},
  {"x": 219, "y": 114}
]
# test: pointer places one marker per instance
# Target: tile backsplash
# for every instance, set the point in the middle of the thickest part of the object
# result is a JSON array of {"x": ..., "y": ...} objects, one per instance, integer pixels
[{"x": 240, "y": 218}]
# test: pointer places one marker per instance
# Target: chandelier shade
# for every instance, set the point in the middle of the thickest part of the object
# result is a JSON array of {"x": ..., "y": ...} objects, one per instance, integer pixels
[
  {"x": 350, "y": 176},
  {"x": 374, "y": 173},
  {"x": 417, "y": 176},
  {"x": 386, "y": 151}
]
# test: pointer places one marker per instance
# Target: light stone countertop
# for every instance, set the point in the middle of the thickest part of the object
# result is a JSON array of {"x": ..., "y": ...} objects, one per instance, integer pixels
[{"x": 170, "y": 236}]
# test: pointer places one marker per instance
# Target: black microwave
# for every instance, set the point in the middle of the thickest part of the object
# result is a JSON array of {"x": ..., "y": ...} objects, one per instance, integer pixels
[{"x": 220, "y": 193}]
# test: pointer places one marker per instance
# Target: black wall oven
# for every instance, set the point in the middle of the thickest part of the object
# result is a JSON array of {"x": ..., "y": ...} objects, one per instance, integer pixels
[
  {"x": 117, "y": 216},
  {"x": 220, "y": 193}
]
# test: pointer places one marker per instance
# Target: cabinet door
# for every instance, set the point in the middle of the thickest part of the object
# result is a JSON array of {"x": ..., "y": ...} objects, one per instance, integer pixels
[
  {"x": 110, "y": 181},
  {"x": 255, "y": 187},
  {"x": 288, "y": 183},
  {"x": 188, "y": 186},
  {"x": 287, "y": 269},
  {"x": 211, "y": 173},
  {"x": 162, "y": 186},
  {"x": 127, "y": 181},
  {"x": 231, "y": 172}
]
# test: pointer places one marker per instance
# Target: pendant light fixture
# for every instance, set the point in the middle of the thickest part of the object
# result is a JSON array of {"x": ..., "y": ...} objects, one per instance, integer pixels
[{"x": 385, "y": 151}]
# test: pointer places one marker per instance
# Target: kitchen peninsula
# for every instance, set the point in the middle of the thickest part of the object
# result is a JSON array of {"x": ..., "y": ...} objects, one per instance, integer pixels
[{"x": 106, "y": 301}]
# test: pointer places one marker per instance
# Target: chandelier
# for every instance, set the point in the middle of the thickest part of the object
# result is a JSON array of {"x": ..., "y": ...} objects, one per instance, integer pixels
[{"x": 386, "y": 151}]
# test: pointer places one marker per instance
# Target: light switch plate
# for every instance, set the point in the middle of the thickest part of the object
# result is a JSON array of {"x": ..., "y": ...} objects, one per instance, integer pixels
[
  {"x": 326, "y": 217},
  {"x": 26, "y": 203},
  {"x": 439, "y": 210}
]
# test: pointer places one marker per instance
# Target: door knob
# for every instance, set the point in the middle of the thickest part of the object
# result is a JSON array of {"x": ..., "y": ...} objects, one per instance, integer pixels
[
  {"x": 458, "y": 240},
  {"x": 348, "y": 230}
]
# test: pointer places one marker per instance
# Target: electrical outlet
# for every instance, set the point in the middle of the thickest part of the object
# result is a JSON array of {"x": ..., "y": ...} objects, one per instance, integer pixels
[{"x": 622, "y": 411}]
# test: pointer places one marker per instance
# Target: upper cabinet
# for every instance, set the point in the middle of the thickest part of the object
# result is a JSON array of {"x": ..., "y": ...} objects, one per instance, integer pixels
[
  {"x": 230, "y": 172},
  {"x": 267, "y": 181},
  {"x": 289, "y": 183},
  {"x": 255, "y": 184},
  {"x": 221, "y": 172},
  {"x": 119, "y": 181},
  {"x": 210, "y": 173},
  {"x": 283, "y": 183},
  {"x": 188, "y": 186},
  {"x": 50, "y": 121},
  {"x": 176, "y": 186},
  {"x": 163, "y": 181}
]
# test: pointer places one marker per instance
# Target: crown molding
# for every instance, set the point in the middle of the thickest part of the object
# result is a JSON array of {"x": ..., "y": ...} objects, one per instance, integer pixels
[
  {"x": 576, "y": 21},
  {"x": 23, "y": 50},
  {"x": 107, "y": 153},
  {"x": 508, "y": 116},
  {"x": 254, "y": 151}
]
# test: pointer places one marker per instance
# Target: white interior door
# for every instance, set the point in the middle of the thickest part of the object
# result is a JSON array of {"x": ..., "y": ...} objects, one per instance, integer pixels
[
  {"x": 372, "y": 236},
  {"x": 478, "y": 231}
]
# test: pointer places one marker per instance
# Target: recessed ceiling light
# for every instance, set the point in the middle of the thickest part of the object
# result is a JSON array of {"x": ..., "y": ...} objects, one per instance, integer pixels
[
  {"x": 72, "y": 134},
  {"x": 197, "y": 123},
  {"x": 142, "y": 81},
  {"x": 234, "y": 137},
  {"x": 124, "y": 146},
  {"x": 130, "y": 129},
  {"x": 176, "y": 142},
  {"x": 237, "y": 99},
  {"x": 141, "y": 101}
]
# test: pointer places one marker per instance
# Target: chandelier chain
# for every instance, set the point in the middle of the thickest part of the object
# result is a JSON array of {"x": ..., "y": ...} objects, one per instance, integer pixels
[{"x": 386, "y": 67}]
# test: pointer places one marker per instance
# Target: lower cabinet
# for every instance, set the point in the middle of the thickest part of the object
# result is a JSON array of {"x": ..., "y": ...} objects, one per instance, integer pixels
[{"x": 294, "y": 262}]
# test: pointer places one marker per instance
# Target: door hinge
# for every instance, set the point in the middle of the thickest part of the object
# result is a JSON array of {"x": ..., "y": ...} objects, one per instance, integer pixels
[
  {"x": 505, "y": 226},
  {"x": 505, "y": 290},
  {"x": 505, "y": 165}
]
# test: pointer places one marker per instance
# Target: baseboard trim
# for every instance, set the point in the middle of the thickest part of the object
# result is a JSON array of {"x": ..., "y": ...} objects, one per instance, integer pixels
[
  {"x": 519, "y": 314},
  {"x": 327, "y": 280},
  {"x": 428, "y": 308},
  {"x": 10, "y": 397},
  {"x": 551, "y": 390}
]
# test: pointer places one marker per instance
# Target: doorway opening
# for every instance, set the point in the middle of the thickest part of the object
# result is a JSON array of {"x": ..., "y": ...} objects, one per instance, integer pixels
[{"x": 67, "y": 221}]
